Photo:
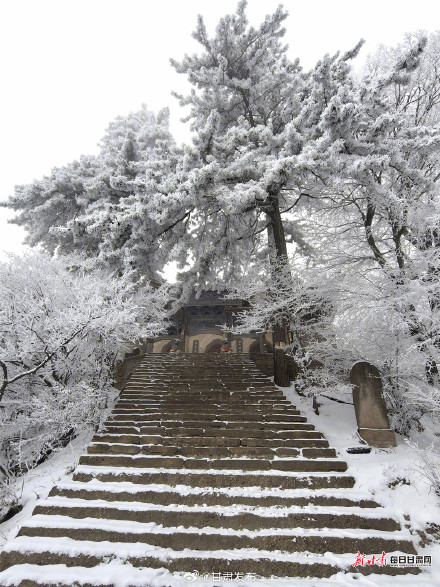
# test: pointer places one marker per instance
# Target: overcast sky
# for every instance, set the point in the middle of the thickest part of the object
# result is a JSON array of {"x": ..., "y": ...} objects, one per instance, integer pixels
[{"x": 68, "y": 67}]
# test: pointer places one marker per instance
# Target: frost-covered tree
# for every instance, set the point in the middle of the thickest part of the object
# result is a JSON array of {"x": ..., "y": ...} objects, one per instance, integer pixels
[
  {"x": 417, "y": 95},
  {"x": 258, "y": 141},
  {"x": 244, "y": 93},
  {"x": 227, "y": 200},
  {"x": 52, "y": 202},
  {"x": 107, "y": 206},
  {"x": 374, "y": 228},
  {"x": 61, "y": 330},
  {"x": 383, "y": 201}
]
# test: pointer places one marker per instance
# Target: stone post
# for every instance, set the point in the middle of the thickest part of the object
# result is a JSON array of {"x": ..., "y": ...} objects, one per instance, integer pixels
[
  {"x": 369, "y": 406},
  {"x": 281, "y": 368}
]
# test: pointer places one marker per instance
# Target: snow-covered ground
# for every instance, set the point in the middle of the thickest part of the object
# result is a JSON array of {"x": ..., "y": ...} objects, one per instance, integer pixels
[
  {"x": 37, "y": 483},
  {"x": 393, "y": 477}
]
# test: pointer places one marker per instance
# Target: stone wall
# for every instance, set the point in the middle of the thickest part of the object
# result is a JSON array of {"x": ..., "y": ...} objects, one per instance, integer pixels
[
  {"x": 204, "y": 340},
  {"x": 124, "y": 369},
  {"x": 162, "y": 345},
  {"x": 244, "y": 344}
]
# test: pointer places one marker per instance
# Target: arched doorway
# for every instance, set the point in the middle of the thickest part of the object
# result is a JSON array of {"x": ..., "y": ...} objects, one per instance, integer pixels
[
  {"x": 255, "y": 347},
  {"x": 214, "y": 346},
  {"x": 165, "y": 347}
]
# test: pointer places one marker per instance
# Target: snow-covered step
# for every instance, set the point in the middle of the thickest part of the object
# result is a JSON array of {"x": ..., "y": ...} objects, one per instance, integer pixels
[
  {"x": 260, "y": 509},
  {"x": 221, "y": 478},
  {"x": 201, "y": 440},
  {"x": 304, "y": 465},
  {"x": 186, "y": 495},
  {"x": 202, "y": 465},
  {"x": 251, "y": 410},
  {"x": 153, "y": 446},
  {"x": 248, "y": 433},
  {"x": 57, "y": 551},
  {"x": 214, "y": 538},
  {"x": 227, "y": 517},
  {"x": 115, "y": 573},
  {"x": 41, "y": 521}
]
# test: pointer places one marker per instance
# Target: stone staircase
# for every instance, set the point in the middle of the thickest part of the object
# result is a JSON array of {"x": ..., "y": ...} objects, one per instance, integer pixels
[{"x": 203, "y": 466}]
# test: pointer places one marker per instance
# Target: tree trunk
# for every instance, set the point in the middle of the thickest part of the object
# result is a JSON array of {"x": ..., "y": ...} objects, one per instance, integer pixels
[
  {"x": 278, "y": 256},
  {"x": 277, "y": 251},
  {"x": 275, "y": 227}
]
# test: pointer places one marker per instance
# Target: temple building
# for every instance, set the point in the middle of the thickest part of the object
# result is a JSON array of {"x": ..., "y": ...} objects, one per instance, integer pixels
[{"x": 198, "y": 327}]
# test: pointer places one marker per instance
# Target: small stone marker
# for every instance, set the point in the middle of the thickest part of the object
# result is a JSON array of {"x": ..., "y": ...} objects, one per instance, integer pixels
[{"x": 369, "y": 405}]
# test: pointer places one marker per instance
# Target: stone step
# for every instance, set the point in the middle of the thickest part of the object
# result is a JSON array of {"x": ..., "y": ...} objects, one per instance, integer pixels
[
  {"x": 263, "y": 564},
  {"x": 155, "y": 446},
  {"x": 271, "y": 428},
  {"x": 262, "y": 414},
  {"x": 204, "y": 497},
  {"x": 197, "y": 388},
  {"x": 188, "y": 389},
  {"x": 199, "y": 377},
  {"x": 202, "y": 440},
  {"x": 203, "y": 460},
  {"x": 207, "y": 397},
  {"x": 208, "y": 408},
  {"x": 243, "y": 418},
  {"x": 318, "y": 544},
  {"x": 258, "y": 519},
  {"x": 212, "y": 432},
  {"x": 255, "y": 407},
  {"x": 199, "y": 380},
  {"x": 214, "y": 417},
  {"x": 212, "y": 428},
  {"x": 224, "y": 479},
  {"x": 183, "y": 403},
  {"x": 244, "y": 464},
  {"x": 200, "y": 367},
  {"x": 117, "y": 429},
  {"x": 122, "y": 438},
  {"x": 221, "y": 395},
  {"x": 191, "y": 451}
]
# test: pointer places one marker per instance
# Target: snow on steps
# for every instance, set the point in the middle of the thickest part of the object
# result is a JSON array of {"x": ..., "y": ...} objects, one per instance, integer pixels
[
  {"x": 118, "y": 573},
  {"x": 205, "y": 466},
  {"x": 65, "y": 551}
]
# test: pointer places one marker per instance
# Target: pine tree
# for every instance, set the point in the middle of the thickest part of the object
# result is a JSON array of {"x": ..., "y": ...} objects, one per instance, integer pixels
[
  {"x": 243, "y": 98},
  {"x": 102, "y": 205}
]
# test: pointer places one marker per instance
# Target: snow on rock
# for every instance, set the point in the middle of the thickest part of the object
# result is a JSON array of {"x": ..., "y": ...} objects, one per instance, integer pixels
[{"x": 392, "y": 476}]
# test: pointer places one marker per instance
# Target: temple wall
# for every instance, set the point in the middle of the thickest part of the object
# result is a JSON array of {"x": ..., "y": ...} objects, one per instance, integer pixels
[
  {"x": 162, "y": 345},
  {"x": 246, "y": 343},
  {"x": 205, "y": 339},
  {"x": 210, "y": 342}
]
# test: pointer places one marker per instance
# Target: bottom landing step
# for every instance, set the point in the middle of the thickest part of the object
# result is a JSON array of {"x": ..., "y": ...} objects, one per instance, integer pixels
[
  {"x": 117, "y": 574},
  {"x": 72, "y": 554}
]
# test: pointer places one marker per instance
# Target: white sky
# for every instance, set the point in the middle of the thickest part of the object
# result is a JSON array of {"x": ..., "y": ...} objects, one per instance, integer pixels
[{"x": 69, "y": 67}]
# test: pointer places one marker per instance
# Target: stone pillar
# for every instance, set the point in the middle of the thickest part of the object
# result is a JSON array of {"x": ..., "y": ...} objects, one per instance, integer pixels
[
  {"x": 369, "y": 406},
  {"x": 281, "y": 368}
]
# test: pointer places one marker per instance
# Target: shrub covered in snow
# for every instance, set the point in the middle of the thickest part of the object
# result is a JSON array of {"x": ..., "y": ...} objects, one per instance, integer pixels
[{"x": 60, "y": 332}]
